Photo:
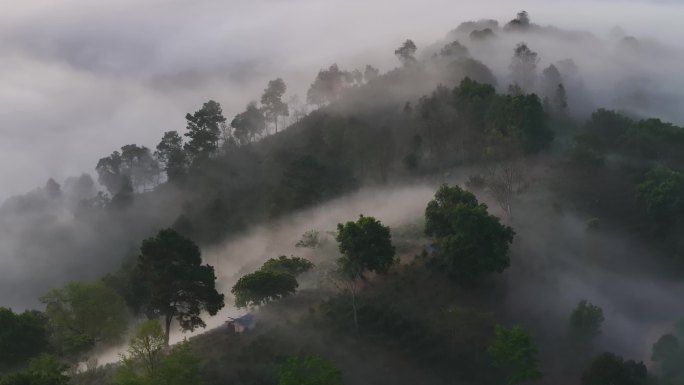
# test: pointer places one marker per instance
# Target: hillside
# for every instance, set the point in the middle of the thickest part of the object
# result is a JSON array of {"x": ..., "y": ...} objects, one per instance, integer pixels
[{"x": 443, "y": 222}]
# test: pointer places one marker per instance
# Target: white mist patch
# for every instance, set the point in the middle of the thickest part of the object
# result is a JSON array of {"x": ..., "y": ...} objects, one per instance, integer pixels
[{"x": 393, "y": 206}]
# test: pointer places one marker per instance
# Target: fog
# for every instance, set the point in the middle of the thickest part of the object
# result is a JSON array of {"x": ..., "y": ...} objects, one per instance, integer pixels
[
  {"x": 79, "y": 79},
  {"x": 556, "y": 261},
  {"x": 246, "y": 252}
]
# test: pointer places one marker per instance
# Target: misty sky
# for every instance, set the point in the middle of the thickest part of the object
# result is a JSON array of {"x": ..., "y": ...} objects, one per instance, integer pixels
[{"x": 80, "y": 78}]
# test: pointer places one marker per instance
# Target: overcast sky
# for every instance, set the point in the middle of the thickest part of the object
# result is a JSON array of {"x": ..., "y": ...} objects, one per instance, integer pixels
[{"x": 80, "y": 78}]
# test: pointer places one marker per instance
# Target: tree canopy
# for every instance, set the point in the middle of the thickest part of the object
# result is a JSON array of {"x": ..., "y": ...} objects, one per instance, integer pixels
[
  {"x": 272, "y": 101},
  {"x": 366, "y": 245},
  {"x": 662, "y": 193},
  {"x": 309, "y": 370},
  {"x": 471, "y": 242},
  {"x": 609, "y": 368},
  {"x": 22, "y": 335},
  {"x": 263, "y": 286},
  {"x": 292, "y": 265},
  {"x": 204, "y": 129},
  {"x": 248, "y": 125},
  {"x": 43, "y": 370},
  {"x": 171, "y": 155},
  {"x": 328, "y": 85},
  {"x": 83, "y": 314},
  {"x": 514, "y": 351},
  {"x": 181, "y": 287},
  {"x": 586, "y": 320}
]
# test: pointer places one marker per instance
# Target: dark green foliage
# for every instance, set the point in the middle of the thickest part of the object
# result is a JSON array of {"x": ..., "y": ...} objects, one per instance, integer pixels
[
  {"x": 454, "y": 122},
  {"x": 43, "y": 370},
  {"x": 131, "y": 285},
  {"x": 473, "y": 99},
  {"x": 292, "y": 265},
  {"x": 204, "y": 128},
  {"x": 471, "y": 243},
  {"x": 249, "y": 124},
  {"x": 272, "y": 103},
  {"x": 124, "y": 197},
  {"x": 180, "y": 286},
  {"x": 179, "y": 367},
  {"x": 382, "y": 323},
  {"x": 123, "y": 173},
  {"x": 514, "y": 351},
  {"x": 22, "y": 335},
  {"x": 649, "y": 139},
  {"x": 520, "y": 118},
  {"x": 138, "y": 164},
  {"x": 306, "y": 181},
  {"x": 171, "y": 155},
  {"x": 109, "y": 172},
  {"x": 466, "y": 67},
  {"x": 608, "y": 126},
  {"x": 662, "y": 192},
  {"x": 609, "y": 368},
  {"x": 588, "y": 152},
  {"x": 366, "y": 245},
  {"x": 668, "y": 352},
  {"x": 262, "y": 286},
  {"x": 309, "y": 370},
  {"x": 586, "y": 320},
  {"x": 84, "y": 314},
  {"x": 146, "y": 346},
  {"x": 655, "y": 139},
  {"x": 467, "y": 333}
]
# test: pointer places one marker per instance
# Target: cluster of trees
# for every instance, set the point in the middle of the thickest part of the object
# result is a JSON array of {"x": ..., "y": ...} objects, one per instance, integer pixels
[
  {"x": 180, "y": 287},
  {"x": 330, "y": 84},
  {"x": 137, "y": 169},
  {"x": 366, "y": 246},
  {"x": 608, "y": 132},
  {"x": 309, "y": 370},
  {"x": 43, "y": 370},
  {"x": 133, "y": 169},
  {"x": 22, "y": 336},
  {"x": 513, "y": 350},
  {"x": 609, "y": 368},
  {"x": 81, "y": 316},
  {"x": 148, "y": 362},
  {"x": 328, "y": 153},
  {"x": 453, "y": 123},
  {"x": 586, "y": 320},
  {"x": 668, "y": 353},
  {"x": 276, "y": 279},
  {"x": 652, "y": 164},
  {"x": 470, "y": 242}
]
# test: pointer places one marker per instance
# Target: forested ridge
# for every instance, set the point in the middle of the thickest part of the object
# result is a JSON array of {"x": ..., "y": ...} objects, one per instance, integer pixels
[{"x": 549, "y": 249}]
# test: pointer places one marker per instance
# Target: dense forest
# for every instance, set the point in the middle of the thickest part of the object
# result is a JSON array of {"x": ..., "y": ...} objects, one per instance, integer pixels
[{"x": 439, "y": 223}]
